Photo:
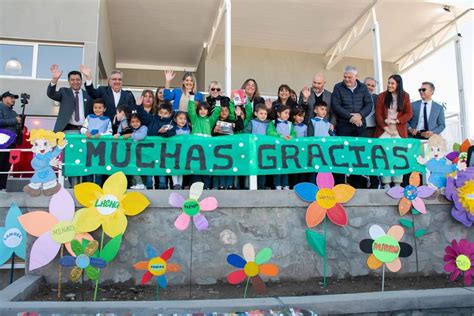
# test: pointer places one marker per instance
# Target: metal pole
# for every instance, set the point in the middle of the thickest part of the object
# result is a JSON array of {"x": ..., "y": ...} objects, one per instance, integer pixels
[
  {"x": 462, "y": 101},
  {"x": 377, "y": 55},
  {"x": 228, "y": 47}
]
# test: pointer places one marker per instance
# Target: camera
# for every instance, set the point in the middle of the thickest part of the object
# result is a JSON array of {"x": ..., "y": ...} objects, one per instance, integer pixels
[{"x": 24, "y": 97}]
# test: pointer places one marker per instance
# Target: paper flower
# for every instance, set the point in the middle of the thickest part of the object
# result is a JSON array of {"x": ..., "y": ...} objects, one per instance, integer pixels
[
  {"x": 460, "y": 190},
  {"x": 411, "y": 195},
  {"x": 107, "y": 206},
  {"x": 459, "y": 152},
  {"x": 6, "y": 138},
  {"x": 52, "y": 228},
  {"x": 326, "y": 199},
  {"x": 13, "y": 236},
  {"x": 385, "y": 247},
  {"x": 157, "y": 266},
  {"x": 83, "y": 260},
  {"x": 192, "y": 208},
  {"x": 252, "y": 266},
  {"x": 459, "y": 258}
]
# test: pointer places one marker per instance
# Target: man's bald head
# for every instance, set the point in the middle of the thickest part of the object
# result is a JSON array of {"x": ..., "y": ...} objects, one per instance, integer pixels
[{"x": 318, "y": 82}]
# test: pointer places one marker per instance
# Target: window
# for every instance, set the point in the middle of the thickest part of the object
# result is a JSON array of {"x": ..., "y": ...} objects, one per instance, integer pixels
[
  {"x": 16, "y": 60},
  {"x": 33, "y": 60}
]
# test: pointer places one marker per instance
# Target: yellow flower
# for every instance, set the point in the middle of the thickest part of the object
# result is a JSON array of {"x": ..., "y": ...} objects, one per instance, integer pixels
[
  {"x": 107, "y": 206},
  {"x": 466, "y": 196}
]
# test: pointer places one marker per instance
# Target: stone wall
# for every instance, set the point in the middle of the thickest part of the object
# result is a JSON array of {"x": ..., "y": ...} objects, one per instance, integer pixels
[{"x": 266, "y": 219}]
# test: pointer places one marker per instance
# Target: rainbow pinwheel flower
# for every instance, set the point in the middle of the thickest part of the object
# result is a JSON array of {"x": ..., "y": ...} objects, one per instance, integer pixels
[
  {"x": 52, "y": 228},
  {"x": 107, "y": 206},
  {"x": 13, "y": 236},
  {"x": 252, "y": 266},
  {"x": 459, "y": 152},
  {"x": 326, "y": 198},
  {"x": 385, "y": 247},
  {"x": 84, "y": 260},
  {"x": 460, "y": 190},
  {"x": 459, "y": 258},
  {"x": 192, "y": 208},
  {"x": 157, "y": 266},
  {"x": 411, "y": 195}
]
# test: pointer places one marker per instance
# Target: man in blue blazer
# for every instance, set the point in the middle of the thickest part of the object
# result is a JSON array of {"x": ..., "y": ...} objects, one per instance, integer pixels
[
  {"x": 113, "y": 95},
  {"x": 428, "y": 116},
  {"x": 74, "y": 103}
]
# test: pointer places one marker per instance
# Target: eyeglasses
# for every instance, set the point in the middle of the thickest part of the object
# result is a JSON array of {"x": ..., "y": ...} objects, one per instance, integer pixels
[
  {"x": 216, "y": 89},
  {"x": 422, "y": 90}
]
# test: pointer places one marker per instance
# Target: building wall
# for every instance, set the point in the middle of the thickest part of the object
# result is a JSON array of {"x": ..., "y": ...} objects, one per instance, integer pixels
[
  {"x": 105, "y": 45},
  {"x": 201, "y": 72},
  {"x": 149, "y": 78}
]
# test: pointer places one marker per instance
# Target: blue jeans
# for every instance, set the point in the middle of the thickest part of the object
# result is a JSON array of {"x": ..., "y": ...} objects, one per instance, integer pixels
[
  {"x": 204, "y": 179},
  {"x": 162, "y": 183},
  {"x": 225, "y": 181},
  {"x": 280, "y": 180}
]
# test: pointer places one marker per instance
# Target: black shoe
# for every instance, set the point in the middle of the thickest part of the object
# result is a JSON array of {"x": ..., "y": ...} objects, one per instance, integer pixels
[
  {"x": 230, "y": 187},
  {"x": 221, "y": 187}
]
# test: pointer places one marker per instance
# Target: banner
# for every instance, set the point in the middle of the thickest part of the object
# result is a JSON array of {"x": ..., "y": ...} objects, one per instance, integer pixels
[{"x": 241, "y": 155}]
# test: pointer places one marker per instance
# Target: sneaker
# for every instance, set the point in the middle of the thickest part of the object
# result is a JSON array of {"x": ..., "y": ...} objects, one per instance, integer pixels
[
  {"x": 278, "y": 187},
  {"x": 139, "y": 187},
  {"x": 286, "y": 187}
]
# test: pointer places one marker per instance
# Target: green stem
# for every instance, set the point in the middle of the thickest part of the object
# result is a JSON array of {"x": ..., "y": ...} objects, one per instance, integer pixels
[
  {"x": 100, "y": 251},
  {"x": 157, "y": 292},
  {"x": 246, "y": 287},
  {"x": 416, "y": 248},
  {"x": 324, "y": 258}
]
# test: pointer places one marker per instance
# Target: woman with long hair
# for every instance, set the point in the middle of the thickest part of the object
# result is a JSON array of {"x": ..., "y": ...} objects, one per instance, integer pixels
[
  {"x": 180, "y": 97},
  {"x": 250, "y": 87},
  {"x": 284, "y": 98}
]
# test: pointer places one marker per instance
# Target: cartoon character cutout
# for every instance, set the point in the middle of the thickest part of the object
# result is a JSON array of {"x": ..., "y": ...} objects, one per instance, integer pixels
[
  {"x": 46, "y": 147},
  {"x": 436, "y": 164}
]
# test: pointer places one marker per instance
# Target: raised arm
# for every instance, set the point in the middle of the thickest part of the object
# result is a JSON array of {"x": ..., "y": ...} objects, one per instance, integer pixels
[
  {"x": 86, "y": 71},
  {"x": 55, "y": 75}
]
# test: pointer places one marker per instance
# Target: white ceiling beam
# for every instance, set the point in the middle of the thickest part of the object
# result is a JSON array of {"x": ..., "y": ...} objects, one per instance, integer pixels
[
  {"x": 210, "y": 45},
  {"x": 351, "y": 37},
  {"x": 155, "y": 67}
]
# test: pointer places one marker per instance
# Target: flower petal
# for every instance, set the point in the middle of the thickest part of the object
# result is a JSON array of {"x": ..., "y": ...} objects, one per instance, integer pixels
[
  {"x": 146, "y": 277},
  {"x": 461, "y": 216},
  {"x": 75, "y": 274},
  {"x": 61, "y": 205},
  {"x": 116, "y": 185},
  {"x": 306, "y": 191},
  {"x": 115, "y": 224},
  {"x": 208, "y": 204},
  {"x": 236, "y": 277},
  {"x": 5, "y": 252},
  {"x": 325, "y": 180},
  {"x": 200, "y": 222},
  {"x": 11, "y": 220},
  {"x": 87, "y": 193},
  {"x": 467, "y": 278},
  {"x": 195, "y": 190},
  {"x": 161, "y": 281},
  {"x": 396, "y": 192},
  {"x": 43, "y": 251},
  {"x": 455, "y": 275},
  {"x": 414, "y": 179},
  {"x": 182, "y": 222},
  {"x": 98, "y": 262},
  {"x": 450, "y": 267},
  {"x": 425, "y": 191},
  {"x": 249, "y": 252},
  {"x": 337, "y": 214},
  {"x": 373, "y": 263},
  {"x": 343, "y": 192},
  {"x": 269, "y": 269},
  {"x": 419, "y": 205},
  {"x": 92, "y": 273},
  {"x": 176, "y": 200},
  {"x": 79, "y": 237},
  {"x": 258, "y": 284},
  {"x": 314, "y": 214},
  {"x": 150, "y": 252},
  {"x": 67, "y": 261},
  {"x": 375, "y": 231},
  {"x": 173, "y": 267},
  {"x": 263, "y": 255},
  {"x": 236, "y": 261},
  {"x": 396, "y": 231},
  {"x": 404, "y": 206},
  {"x": 142, "y": 265},
  {"x": 134, "y": 203},
  {"x": 167, "y": 254},
  {"x": 37, "y": 223},
  {"x": 87, "y": 220},
  {"x": 395, "y": 265}
]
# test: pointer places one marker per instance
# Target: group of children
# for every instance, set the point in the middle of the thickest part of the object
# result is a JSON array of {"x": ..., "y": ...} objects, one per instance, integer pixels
[{"x": 208, "y": 119}]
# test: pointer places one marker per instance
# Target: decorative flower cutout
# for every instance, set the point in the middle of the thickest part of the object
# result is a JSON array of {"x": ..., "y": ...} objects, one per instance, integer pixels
[
  {"x": 411, "y": 195},
  {"x": 52, "y": 228},
  {"x": 385, "y": 247},
  {"x": 107, "y": 206},
  {"x": 6, "y": 138},
  {"x": 192, "y": 208},
  {"x": 252, "y": 266},
  {"x": 84, "y": 260},
  {"x": 459, "y": 258},
  {"x": 13, "y": 236},
  {"x": 157, "y": 266},
  {"x": 326, "y": 199},
  {"x": 459, "y": 152},
  {"x": 460, "y": 190}
]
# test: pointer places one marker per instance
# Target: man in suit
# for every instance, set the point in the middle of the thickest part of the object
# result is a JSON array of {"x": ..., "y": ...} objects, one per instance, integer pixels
[
  {"x": 74, "y": 102},
  {"x": 113, "y": 95},
  {"x": 308, "y": 98},
  {"x": 428, "y": 116},
  {"x": 371, "y": 84}
]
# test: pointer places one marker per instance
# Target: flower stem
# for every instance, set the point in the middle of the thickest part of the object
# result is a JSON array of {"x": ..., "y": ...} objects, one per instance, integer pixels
[
  {"x": 324, "y": 258},
  {"x": 416, "y": 249},
  {"x": 97, "y": 281},
  {"x": 60, "y": 273},
  {"x": 157, "y": 292},
  {"x": 246, "y": 287}
]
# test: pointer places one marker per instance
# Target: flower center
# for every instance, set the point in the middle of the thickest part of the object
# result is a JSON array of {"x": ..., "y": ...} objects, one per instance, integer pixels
[
  {"x": 463, "y": 262},
  {"x": 83, "y": 261},
  {"x": 191, "y": 207},
  {"x": 107, "y": 204},
  {"x": 386, "y": 248},
  {"x": 12, "y": 237},
  {"x": 157, "y": 266},
  {"x": 63, "y": 232},
  {"x": 251, "y": 269},
  {"x": 410, "y": 192},
  {"x": 326, "y": 198},
  {"x": 466, "y": 196}
]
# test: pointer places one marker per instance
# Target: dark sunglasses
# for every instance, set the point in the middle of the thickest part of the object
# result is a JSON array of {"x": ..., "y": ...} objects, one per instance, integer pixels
[
  {"x": 216, "y": 89},
  {"x": 422, "y": 90}
]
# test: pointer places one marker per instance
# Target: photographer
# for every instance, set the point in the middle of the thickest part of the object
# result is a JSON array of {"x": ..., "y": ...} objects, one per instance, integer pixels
[{"x": 9, "y": 120}]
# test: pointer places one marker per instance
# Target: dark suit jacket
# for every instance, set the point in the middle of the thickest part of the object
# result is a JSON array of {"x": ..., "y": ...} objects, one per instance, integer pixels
[
  {"x": 106, "y": 93},
  {"x": 344, "y": 101},
  {"x": 436, "y": 122},
  {"x": 65, "y": 97},
  {"x": 309, "y": 106}
]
